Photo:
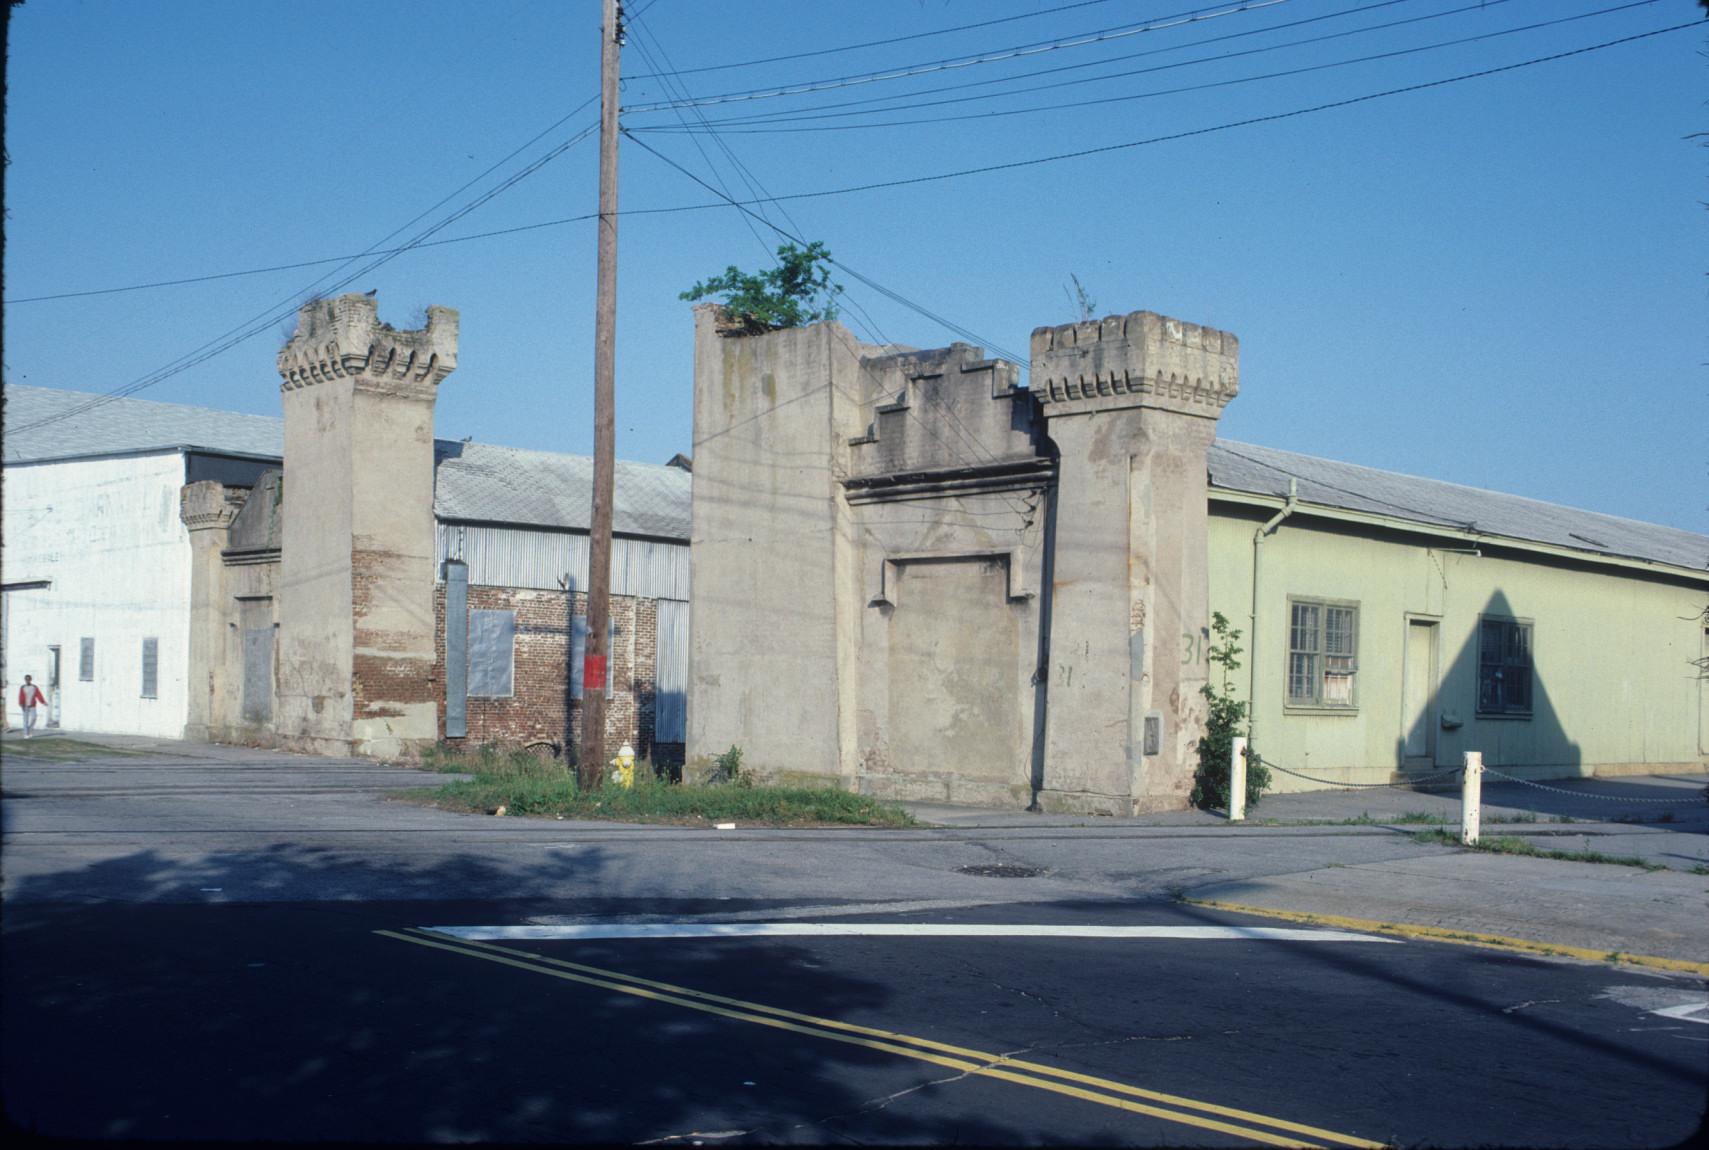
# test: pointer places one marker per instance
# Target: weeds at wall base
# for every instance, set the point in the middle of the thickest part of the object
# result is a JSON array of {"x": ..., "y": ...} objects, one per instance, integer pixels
[{"x": 524, "y": 783}]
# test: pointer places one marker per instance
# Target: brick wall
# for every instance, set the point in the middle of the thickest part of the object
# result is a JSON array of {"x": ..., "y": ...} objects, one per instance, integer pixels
[{"x": 540, "y": 706}]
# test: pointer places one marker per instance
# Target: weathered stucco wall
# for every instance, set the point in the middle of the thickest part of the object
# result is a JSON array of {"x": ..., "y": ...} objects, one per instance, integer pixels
[
  {"x": 871, "y": 533},
  {"x": 356, "y": 622},
  {"x": 764, "y": 660},
  {"x": 1613, "y": 690},
  {"x": 106, "y": 534},
  {"x": 1131, "y": 403},
  {"x": 946, "y": 495}
]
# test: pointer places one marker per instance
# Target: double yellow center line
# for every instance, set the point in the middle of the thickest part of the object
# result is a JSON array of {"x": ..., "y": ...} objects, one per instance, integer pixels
[{"x": 1242, "y": 1124}]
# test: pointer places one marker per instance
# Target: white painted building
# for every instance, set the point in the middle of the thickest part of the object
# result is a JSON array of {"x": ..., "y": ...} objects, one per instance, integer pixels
[
  {"x": 98, "y": 566},
  {"x": 95, "y": 559}
]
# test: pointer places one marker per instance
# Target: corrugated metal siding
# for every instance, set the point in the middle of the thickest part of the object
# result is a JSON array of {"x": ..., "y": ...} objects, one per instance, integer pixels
[
  {"x": 670, "y": 685},
  {"x": 552, "y": 560}
]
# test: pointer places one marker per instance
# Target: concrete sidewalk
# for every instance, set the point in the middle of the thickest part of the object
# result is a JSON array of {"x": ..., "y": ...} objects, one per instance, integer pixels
[{"x": 1536, "y": 905}]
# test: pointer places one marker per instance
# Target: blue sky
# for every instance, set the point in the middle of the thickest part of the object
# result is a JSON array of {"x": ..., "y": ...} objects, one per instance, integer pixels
[{"x": 1498, "y": 281}]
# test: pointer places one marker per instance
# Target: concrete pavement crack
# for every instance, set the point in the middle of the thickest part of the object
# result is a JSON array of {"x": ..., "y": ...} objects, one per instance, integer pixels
[{"x": 873, "y": 1105}]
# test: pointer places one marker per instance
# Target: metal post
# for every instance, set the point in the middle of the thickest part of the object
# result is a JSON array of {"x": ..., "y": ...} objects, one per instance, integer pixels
[
  {"x": 1471, "y": 797},
  {"x": 604, "y": 417},
  {"x": 1237, "y": 781}
]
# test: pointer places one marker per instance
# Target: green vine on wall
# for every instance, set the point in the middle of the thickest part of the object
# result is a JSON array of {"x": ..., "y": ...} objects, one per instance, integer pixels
[{"x": 1225, "y": 720}]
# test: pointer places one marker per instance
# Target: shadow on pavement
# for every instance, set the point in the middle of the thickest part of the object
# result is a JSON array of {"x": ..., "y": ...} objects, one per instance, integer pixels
[{"x": 161, "y": 1018}]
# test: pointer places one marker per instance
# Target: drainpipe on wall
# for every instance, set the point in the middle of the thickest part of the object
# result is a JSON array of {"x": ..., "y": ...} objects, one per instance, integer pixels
[{"x": 1258, "y": 537}]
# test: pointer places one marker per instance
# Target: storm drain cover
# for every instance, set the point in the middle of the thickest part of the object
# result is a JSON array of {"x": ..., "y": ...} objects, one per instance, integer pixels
[{"x": 1000, "y": 870}]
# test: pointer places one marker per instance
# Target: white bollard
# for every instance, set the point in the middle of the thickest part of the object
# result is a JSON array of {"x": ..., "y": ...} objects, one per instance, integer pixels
[
  {"x": 1237, "y": 781},
  {"x": 1471, "y": 797}
]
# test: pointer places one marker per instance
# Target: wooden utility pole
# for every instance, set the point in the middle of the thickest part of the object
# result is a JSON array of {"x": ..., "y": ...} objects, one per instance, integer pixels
[{"x": 594, "y": 667}]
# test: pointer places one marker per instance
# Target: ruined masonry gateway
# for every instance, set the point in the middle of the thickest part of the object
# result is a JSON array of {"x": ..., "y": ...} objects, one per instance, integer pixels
[{"x": 917, "y": 579}]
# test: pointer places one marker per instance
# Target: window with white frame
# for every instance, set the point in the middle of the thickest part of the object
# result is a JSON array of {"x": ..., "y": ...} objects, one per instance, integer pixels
[
  {"x": 1504, "y": 666},
  {"x": 1323, "y": 653}
]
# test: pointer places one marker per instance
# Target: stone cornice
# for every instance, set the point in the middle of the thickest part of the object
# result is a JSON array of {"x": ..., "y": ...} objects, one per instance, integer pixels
[
  {"x": 343, "y": 338},
  {"x": 1137, "y": 360},
  {"x": 1021, "y": 474},
  {"x": 207, "y": 505}
]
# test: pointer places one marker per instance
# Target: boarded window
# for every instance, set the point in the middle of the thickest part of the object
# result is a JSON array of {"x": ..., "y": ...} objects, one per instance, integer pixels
[
  {"x": 151, "y": 668},
  {"x": 1504, "y": 666},
  {"x": 492, "y": 654},
  {"x": 1323, "y": 653},
  {"x": 578, "y": 651},
  {"x": 86, "y": 660}
]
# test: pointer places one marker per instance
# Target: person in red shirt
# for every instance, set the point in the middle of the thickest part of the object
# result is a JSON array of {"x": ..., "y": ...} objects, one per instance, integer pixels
[{"x": 29, "y": 697}]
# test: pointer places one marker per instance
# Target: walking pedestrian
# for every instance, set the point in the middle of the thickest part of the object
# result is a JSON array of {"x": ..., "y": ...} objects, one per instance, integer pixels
[{"x": 29, "y": 697}]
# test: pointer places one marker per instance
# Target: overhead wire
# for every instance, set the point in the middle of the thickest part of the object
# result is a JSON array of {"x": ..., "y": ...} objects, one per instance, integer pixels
[
  {"x": 869, "y": 43},
  {"x": 904, "y": 182},
  {"x": 495, "y": 233},
  {"x": 1207, "y": 86},
  {"x": 969, "y": 438},
  {"x": 1191, "y": 133},
  {"x": 269, "y": 318},
  {"x": 953, "y": 63},
  {"x": 766, "y": 116}
]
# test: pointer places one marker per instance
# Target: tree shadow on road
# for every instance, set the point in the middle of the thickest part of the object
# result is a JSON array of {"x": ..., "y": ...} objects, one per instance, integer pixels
[{"x": 287, "y": 1017}]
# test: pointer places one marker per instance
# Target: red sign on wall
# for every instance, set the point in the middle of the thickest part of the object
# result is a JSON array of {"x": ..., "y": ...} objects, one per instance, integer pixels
[{"x": 593, "y": 673}]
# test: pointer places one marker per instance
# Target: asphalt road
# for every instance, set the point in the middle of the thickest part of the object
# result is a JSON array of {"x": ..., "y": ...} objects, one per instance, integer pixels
[{"x": 256, "y": 951}]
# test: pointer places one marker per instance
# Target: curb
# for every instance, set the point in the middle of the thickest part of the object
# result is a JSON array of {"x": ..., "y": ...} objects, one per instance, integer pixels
[{"x": 1460, "y": 937}]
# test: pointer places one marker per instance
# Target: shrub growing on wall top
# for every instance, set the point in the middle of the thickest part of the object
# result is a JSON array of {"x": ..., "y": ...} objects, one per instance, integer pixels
[{"x": 797, "y": 291}]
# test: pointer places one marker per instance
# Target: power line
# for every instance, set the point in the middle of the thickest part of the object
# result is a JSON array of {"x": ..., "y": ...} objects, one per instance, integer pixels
[
  {"x": 949, "y": 325},
  {"x": 1206, "y": 86},
  {"x": 881, "y": 185},
  {"x": 263, "y": 321},
  {"x": 1011, "y": 165},
  {"x": 766, "y": 117},
  {"x": 967, "y": 436},
  {"x": 305, "y": 263},
  {"x": 951, "y": 63},
  {"x": 864, "y": 44}
]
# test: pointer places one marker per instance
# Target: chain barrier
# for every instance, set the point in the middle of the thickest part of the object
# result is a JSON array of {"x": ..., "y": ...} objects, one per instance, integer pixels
[
  {"x": 1407, "y": 784},
  {"x": 1410, "y": 783},
  {"x": 1583, "y": 795}
]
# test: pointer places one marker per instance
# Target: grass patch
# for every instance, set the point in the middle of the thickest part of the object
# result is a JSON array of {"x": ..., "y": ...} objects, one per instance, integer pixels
[
  {"x": 525, "y": 783},
  {"x": 54, "y": 749},
  {"x": 1363, "y": 819},
  {"x": 1509, "y": 845}
]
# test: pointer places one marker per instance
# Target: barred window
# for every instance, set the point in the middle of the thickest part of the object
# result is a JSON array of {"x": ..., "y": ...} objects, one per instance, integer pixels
[
  {"x": 1504, "y": 666},
  {"x": 1323, "y": 653},
  {"x": 86, "y": 660}
]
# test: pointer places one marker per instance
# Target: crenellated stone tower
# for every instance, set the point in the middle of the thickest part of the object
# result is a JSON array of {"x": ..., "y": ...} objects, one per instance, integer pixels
[
  {"x": 356, "y": 626},
  {"x": 1131, "y": 403},
  {"x": 917, "y": 579}
]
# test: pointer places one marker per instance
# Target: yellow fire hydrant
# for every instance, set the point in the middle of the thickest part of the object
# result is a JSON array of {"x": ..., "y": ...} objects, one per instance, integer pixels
[{"x": 623, "y": 766}]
